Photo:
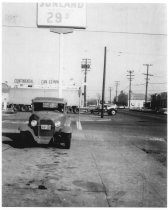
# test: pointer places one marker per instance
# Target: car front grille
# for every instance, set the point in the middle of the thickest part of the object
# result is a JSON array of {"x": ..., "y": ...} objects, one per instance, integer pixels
[{"x": 46, "y": 128}]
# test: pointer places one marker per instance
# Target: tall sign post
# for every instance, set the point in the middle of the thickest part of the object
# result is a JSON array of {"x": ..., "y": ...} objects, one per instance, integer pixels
[
  {"x": 61, "y": 18},
  {"x": 61, "y": 31}
]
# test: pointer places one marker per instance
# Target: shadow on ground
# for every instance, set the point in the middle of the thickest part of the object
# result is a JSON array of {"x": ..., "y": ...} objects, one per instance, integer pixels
[
  {"x": 14, "y": 140},
  {"x": 154, "y": 148}
]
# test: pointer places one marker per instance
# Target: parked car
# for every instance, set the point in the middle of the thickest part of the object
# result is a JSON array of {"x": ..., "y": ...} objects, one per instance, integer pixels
[
  {"x": 110, "y": 109},
  {"x": 48, "y": 123},
  {"x": 91, "y": 107}
]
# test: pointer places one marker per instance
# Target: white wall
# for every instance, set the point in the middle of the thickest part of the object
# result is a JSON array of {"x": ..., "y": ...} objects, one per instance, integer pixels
[
  {"x": 136, "y": 104},
  {"x": 5, "y": 99}
]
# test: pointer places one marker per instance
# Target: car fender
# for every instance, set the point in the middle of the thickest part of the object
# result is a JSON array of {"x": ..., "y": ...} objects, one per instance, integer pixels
[
  {"x": 23, "y": 128},
  {"x": 66, "y": 129},
  {"x": 110, "y": 109}
]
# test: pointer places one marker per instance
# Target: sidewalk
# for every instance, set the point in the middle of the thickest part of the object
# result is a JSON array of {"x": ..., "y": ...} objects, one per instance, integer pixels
[
  {"x": 74, "y": 117},
  {"x": 89, "y": 117}
]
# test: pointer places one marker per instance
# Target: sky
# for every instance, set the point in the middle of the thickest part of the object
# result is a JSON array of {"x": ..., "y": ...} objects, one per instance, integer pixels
[{"x": 133, "y": 34}]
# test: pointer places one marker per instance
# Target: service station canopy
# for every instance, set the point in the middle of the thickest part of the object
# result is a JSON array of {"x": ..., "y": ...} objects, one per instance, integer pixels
[{"x": 72, "y": 15}]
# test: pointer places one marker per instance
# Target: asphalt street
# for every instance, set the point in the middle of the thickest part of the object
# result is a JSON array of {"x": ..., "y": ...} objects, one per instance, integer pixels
[{"x": 117, "y": 161}]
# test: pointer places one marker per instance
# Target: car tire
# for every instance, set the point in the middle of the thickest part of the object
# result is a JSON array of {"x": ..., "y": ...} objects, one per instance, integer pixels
[
  {"x": 26, "y": 139},
  {"x": 67, "y": 140},
  {"x": 22, "y": 141},
  {"x": 112, "y": 112}
]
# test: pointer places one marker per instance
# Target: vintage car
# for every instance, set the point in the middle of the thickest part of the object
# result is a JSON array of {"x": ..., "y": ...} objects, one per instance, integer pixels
[
  {"x": 110, "y": 109},
  {"x": 48, "y": 123}
]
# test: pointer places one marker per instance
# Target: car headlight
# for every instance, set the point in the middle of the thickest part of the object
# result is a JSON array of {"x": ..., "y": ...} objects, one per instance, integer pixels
[
  {"x": 33, "y": 123},
  {"x": 57, "y": 124}
]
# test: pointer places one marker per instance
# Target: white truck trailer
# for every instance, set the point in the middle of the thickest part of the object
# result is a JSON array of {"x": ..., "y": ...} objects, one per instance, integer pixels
[{"x": 20, "y": 99}]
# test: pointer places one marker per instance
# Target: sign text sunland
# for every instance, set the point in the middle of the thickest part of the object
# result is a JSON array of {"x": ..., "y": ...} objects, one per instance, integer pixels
[{"x": 61, "y": 15}]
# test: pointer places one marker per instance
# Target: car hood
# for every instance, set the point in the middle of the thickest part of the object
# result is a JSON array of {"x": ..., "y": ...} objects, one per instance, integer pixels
[{"x": 49, "y": 115}]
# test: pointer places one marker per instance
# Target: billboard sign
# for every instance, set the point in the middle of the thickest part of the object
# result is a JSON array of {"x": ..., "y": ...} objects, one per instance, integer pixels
[
  {"x": 23, "y": 81},
  {"x": 72, "y": 15}
]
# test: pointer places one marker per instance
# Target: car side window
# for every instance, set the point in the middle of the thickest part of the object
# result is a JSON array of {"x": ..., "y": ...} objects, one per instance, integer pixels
[{"x": 61, "y": 107}]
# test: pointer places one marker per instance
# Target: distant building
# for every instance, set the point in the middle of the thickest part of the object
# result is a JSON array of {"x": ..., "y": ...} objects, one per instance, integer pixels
[
  {"x": 159, "y": 101},
  {"x": 137, "y": 100},
  {"x": 5, "y": 95}
]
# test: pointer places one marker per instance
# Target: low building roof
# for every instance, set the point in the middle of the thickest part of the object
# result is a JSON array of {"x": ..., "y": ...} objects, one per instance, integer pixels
[
  {"x": 139, "y": 96},
  {"x": 48, "y": 99}
]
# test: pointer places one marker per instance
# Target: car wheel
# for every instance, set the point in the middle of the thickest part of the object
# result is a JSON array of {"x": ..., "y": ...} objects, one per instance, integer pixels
[
  {"x": 26, "y": 139},
  {"x": 112, "y": 112},
  {"x": 67, "y": 140},
  {"x": 22, "y": 141}
]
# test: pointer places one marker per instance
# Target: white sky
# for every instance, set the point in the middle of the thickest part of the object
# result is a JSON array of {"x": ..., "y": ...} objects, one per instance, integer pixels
[{"x": 31, "y": 52}]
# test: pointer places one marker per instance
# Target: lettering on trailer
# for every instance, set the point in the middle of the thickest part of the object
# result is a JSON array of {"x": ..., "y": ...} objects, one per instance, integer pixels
[
  {"x": 61, "y": 15},
  {"x": 46, "y": 82},
  {"x": 23, "y": 81}
]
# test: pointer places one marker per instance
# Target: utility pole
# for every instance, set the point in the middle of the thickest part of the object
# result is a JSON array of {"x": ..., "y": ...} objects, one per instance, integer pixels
[
  {"x": 147, "y": 79},
  {"x": 130, "y": 79},
  {"x": 110, "y": 88},
  {"x": 104, "y": 80},
  {"x": 116, "y": 84},
  {"x": 86, "y": 66}
]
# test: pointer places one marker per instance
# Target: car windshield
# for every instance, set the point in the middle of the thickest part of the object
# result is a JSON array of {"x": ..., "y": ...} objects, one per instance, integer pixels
[{"x": 49, "y": 106}]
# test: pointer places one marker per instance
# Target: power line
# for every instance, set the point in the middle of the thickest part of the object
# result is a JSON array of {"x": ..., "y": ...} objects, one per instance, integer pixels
[
  {"x": 8, "y": 26},
  {"x": 138, "y": 84},
  {"x": 125, "y": 88},
  {"x": 158, "y": 83},
  {"x": 123, "y": 32},
  {"x": 99, "y": 31}
]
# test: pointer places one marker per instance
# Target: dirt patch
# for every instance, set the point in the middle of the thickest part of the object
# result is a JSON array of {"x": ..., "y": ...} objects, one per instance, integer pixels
[
  {"x": 116, "y": 197},
  {"x": 161, "y": 174},
  {"x": 158, "y": 155},
  {"x": 89, "y": 186},
  {"x": 42, "y": 187}
]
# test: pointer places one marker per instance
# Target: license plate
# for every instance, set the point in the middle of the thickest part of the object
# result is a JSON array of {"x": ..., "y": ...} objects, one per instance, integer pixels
[{"x": 46, "y": 127}]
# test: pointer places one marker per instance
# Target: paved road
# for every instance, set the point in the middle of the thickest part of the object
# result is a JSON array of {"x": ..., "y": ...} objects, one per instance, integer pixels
[{"x": 117, "y": 162}]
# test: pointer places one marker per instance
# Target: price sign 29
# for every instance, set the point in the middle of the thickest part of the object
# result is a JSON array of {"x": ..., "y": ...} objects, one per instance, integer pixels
[
  {"x": 56, "y": 17},
  {"x": 61, "y": 15}
]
